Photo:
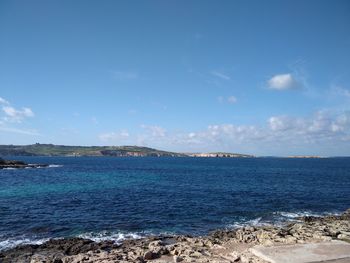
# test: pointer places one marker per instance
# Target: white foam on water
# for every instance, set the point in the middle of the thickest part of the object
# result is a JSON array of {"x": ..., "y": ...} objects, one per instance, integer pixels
[
  {"x": 295, "y": 215},
  {"x": 279, "y": 218},
  {"x": 117, "y": 237},
  {"x": 252, "y": 222},
  {"x": 14, "y": 242},
  {"x": 43, "y": 167},
  {"x": 50, "y": 166},
  {"x": 55, "y": 165}
]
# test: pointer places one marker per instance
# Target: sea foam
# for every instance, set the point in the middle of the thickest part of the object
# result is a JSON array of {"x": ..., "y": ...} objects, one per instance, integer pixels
[
  {"x": 117, "y": 237},
  {"x": 17, "y": 241}
]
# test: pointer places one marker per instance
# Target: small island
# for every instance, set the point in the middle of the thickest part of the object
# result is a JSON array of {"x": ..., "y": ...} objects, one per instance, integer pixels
[{"x": 6, "y": 164}]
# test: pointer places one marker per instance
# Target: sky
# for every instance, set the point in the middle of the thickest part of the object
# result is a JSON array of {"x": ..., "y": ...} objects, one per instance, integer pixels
[{"x": 256, "y": 77}]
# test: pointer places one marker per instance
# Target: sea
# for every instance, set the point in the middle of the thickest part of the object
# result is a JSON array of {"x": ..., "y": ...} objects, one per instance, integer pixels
[{"x": 116, "y": 198}]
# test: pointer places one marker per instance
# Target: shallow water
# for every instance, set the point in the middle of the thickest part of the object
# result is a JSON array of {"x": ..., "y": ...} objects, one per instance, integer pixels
[{"x": 118, "y": 198}]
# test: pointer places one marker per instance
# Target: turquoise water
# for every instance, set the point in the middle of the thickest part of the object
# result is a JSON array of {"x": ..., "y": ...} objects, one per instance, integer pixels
[{"x": 116, "y": 198}]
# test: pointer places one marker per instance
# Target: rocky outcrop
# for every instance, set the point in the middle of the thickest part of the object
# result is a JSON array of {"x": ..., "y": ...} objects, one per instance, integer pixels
[
  {"x": 18, "y": 164},
  {"x": 224, "y": 246}
]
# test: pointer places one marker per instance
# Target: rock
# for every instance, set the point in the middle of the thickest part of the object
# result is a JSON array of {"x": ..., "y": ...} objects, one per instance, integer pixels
[
  {"x": 39, "y": 259},
  {"x": 209, "y": 249},
  {"x": 267, "y": 243},
  {"x": 177, "y": 258},
  {"x": 234, "y": 256},
  {"x": 149, "y": 255},
  {"x": 18, "y": 164},
  {"x": 155, "y": 244},
  {"x": 290, "y": 239},
  {"x": 245, "y": 259},
  {"x": 344, "y": 236},
  {"x": 346, "y": 214}
]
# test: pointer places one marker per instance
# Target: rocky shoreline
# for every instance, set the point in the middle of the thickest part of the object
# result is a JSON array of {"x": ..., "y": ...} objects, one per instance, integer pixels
[
  {"x": 222, "y": 246},
  {"x": 6, "y": 164}
]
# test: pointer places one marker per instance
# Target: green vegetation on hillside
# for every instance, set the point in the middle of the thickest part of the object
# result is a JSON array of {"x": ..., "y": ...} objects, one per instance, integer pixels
[
  {"x": 63, "y": 150},
  {"x": 117, "y": 151}
]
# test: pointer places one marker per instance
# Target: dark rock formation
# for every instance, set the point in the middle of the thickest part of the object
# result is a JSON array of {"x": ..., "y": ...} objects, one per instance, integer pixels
[
  {"x": 18, "y": 164},
  {"x": 54, "y": 249}
]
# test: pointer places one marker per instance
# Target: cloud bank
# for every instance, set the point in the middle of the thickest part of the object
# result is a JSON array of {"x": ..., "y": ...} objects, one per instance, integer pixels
[{"x": 317, "y": 134}]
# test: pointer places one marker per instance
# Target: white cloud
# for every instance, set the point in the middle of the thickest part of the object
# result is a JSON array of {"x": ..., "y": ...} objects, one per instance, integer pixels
[
  {"x": 14, "y": 115},
  {"x": 280, "y": 123},
  {"x": 229, "y": 99},
  {"x": 283, "y": 82},
  {"x": 282, "y": 133},
  {"x": 340, "y": 91},
  {"x": 323, "y": 132},
  {"x": 321, "y": 126},
  {"x": 11, "y": 119},
  {"x": 155, "y": 131},
  {"x": 3, "y": 101},
  {"x": 19, "y": 131},
  {"x": 220, "y": 75},
  {"x": 191, "y": 135},
  {"x": 114, "y": 136},
  {"x": 232, "y": 99}
]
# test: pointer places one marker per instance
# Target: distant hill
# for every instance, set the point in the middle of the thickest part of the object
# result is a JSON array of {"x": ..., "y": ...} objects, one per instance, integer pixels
[
  {"x": 117, "y": 151},
  {"x": 63, "y": 150}
]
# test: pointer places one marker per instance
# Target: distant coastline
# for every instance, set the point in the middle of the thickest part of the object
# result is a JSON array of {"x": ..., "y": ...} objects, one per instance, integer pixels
[
  {"x": 114, "y": 151},
  {"x": 39, "y": 149}
]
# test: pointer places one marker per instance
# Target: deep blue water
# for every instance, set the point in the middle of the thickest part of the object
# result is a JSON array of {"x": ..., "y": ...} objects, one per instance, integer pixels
[{"x": 111, "y": 197}]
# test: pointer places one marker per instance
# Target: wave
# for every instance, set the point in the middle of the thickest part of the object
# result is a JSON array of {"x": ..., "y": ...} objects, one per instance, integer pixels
[
  {"x": 117, "y": 237},
  {"x": 31, "y": 166},
  {"x": 278, "y": 218},
  {"x": 55, "y": 165},
  {"x": 17, "y": 241},
  {"x": 253, "y": 222},
  {"x": 50, "y": 166},
  {"x": 295, "y": 215}
]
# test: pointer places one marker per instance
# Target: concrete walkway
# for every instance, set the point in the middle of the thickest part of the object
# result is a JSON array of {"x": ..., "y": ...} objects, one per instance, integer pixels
[{"x": 332, "y": 252}]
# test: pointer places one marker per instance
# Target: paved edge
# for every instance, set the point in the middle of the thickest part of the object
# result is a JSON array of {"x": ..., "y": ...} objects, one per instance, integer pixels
[{"x": 340, "y": 259}]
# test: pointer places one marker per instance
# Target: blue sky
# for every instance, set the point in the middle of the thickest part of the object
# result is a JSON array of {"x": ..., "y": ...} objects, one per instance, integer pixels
[{"x": 259, "y": 77}]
